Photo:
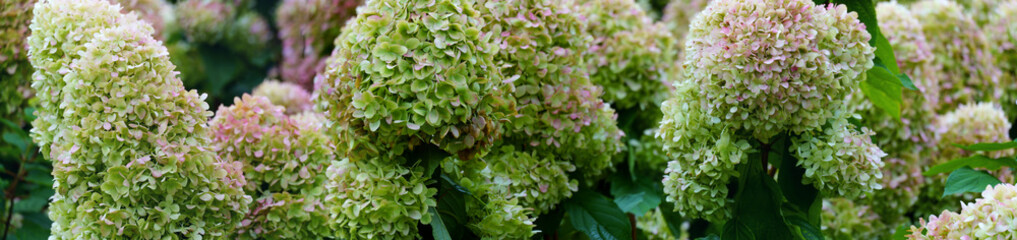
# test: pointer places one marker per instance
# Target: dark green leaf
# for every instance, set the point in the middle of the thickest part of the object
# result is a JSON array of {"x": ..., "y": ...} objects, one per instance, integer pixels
[
  {"x": 636, "y": 196},
  {"x": 966, "y": 179},
  {"x": 34, "y": 226},
  {"x": 16, "y": 140},
  {"x": 977, "y": 161},
  {"x": 709, "y": 237},
  {"x": 40, "y": 176},
  {"x": 9, "y": 124},
  {"x": 803, "y": 197},
  {"x": 34, "y": 202},
  {"x": 806, "y": 230},
  {"x": 758, "y": 202},
  {"x": 989, "y": 146},
  {"x": 904, "y": 79},
  {"x": 884, "y": 90},
  {"x": 673, "y": 219},
  {"x": 549, "y": 222},
  {"x": 29, "y": 114},
  {"x": 597, "y": 217},
  {"x": 452, "y": 207},
  {"x": 438, "y": 227},
  {"x": 736, "y": 230}
]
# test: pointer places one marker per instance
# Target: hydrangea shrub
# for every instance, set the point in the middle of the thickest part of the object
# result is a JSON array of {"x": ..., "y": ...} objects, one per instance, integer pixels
[
  {"x": 288, "y": 95},
  {"x": 989, "y": 217},
  {"x": 737, "y": 93},
  {"x": 377, "y": 198},
  {"x": 130, "y": 146},
  {"x": 308, "y": 29}
]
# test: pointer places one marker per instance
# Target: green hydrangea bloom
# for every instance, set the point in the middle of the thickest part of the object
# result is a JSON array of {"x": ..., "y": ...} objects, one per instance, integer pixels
[
  {"x": 15, "y": 70},
  {"x": 648, "y": 151},
  {"x": 284, "y": 160},
  {"x": 840, "y": 160},
  {"x": 249, "y": 33},
  {"x": 377, "y": 199},
  {"x": 630, "y": 54},
  {"x": 844, "y": 219},
  {"x": 129, "y": 145},
  {"x": 307, "y": 30},
  {"x": 1002, "y": 32},
  {"x": 796, "y": 81},
  {"x": 205, "y": 21},
  {"x": 406, "y": 73},
  {"x": 655, "y": 227},
  {"x": 558, "y": 111},
  {"x": 963, "y": 51},
  {"x": 990, "y": 217},
  {"x": 288, "y": 95}
]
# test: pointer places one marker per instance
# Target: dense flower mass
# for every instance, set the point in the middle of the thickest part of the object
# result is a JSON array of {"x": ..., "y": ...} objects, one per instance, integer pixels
[
  {"x": 15, "y": 70},
  {"x": 129, "y": 145},
  {"x": 960, "y": 47},
  {"x": 283, "y": 160},
  {"x": 205, "y": 21},
  {"x": 307, "y": 29},
  {"x": 629, "y": 55},
  {"x": 558, "y": 111},
  {"x": 377, "y": 198},
  {"x": 840, "y": 159},
  {"x": 157, "y": 13},
  {"x": 677, "y": 16},
  {"x": 249, "y": 33},
  {"x": 655, "y": 227},
  {"x": 409, "y": 72},
  {"x": 285, "y": 94},
  {"x": 845, "y": 219},
  {"x": 1001, "y": 31},
  {"x": 990, "y": 217}
]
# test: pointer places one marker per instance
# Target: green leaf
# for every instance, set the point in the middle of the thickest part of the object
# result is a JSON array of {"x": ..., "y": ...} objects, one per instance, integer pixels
[
  {"x": 438, "y": 227},
  {"x": 806, "y": 230},
  {"x": 549, "y": 222},
  {"x": 758, "y": 202},
  {"x": 16, "y": 140},
  {"x": 989, "y": 146},
  {"x": 884, "y": 90},
  {"x": 709, "y": 237},
  {"x": 736, "y": 230},
  {"x": 968, "y": 180},
  {"x": 906, "y": 81},
  {"x": 34, "y": 226},
  {"x": 803, "y": 197},
  {"x": 867, "y": 15},
  {"x": 977, "y": 161},
  {"x": 673, "y": 219},
  {"x": 35, "y": 201},
  {"x": 452, "y": 207},
  {"x": 40, "y": 176},
  {"x": 597, "y": 217},
  {"x": 636, "y": 196}
]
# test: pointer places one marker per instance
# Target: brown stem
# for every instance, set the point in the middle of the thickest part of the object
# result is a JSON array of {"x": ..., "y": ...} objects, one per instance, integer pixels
[
  {"x": 632, "y": 219},
  {"x": 766, "y": 156}
]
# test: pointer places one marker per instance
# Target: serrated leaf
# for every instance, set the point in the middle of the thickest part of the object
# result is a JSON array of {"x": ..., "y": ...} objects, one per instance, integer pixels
[
  {"x": 966, "y": 179},
  {"x": 597, "y": 217},
  {"x": 636, "y": 196},
  {"x": 989, "y": 146},
  {"x": 977, "y": 161},
  {"x": 884, "y": 90}
]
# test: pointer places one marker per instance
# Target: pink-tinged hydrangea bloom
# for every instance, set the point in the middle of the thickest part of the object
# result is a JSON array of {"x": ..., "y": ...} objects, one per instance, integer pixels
[
  {"x": 704, "y": 154},
  {"x": 771, "y": 66},
  {"x": 406, "y": 73},
  {"x": 205, "y": 21},
  {"x": 157, "y": 13},
  {"x": 249, "y": 33},
  {"x": 968, "y": 124},
  {"x": 284, "y": 161},
  {"x": 961, "y": 48},
  {"x": 630, "y": 54},
  {"x": 129, "y": 145},
  {"x": 15, "y": 70},
  {"x": 288, "y": 95},
  {"x": 512, "y": 188},
  {"x": 677, "y": 16},
  {"x": 377, "y": 198},
  {"x": 840, "y": 160},
  {"x": 558, "y": 111},
  {"x": 307, "y": 29},
  {"x": 990, "y": 217},
  {"x": 845, "y": 219}
]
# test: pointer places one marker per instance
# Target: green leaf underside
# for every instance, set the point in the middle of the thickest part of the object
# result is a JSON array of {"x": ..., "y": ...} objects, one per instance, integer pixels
[{"x": 597, "y": 217}]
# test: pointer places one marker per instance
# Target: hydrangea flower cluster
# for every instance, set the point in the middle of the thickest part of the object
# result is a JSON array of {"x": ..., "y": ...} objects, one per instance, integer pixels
[
  {"x": 990, "y": 217},
  {"x": 736, "y": 88},
  {"x": 396, "y": 79},
  {"x": 630, "y": 55},
  {"x": 840, "y": 159},
  {"x": 677, "y": 16},
  {"x": 845, "y": 219},
  {"x": 513, "y": 187},
  {"x": 377, "y": 198},
  {"x": 968, "y": 124},
  {"x": 558, "y": 110},
  {"x": 1001, "y": 30},
  {"x": 307, "y": 29},
  {"x": 288, "y": 95},
  {"x": 205, "y": 21},
  {"x": 15, "y": 70},
  {"x": 249, "y": 33},
  {"x": 648, "y": 151},
  {"x": 127, "y": 141},
  {"x": 654, "y": 226},
  {"x": 961, "y": 48},
  {"x": 283, "y": 160}
]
